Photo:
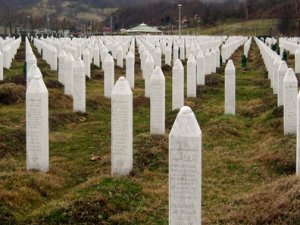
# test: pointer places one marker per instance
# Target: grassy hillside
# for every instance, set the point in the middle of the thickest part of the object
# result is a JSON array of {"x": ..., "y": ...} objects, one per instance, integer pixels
[
  {"x": 247, "y": 28},
  {"x": 247, "y": 162}
]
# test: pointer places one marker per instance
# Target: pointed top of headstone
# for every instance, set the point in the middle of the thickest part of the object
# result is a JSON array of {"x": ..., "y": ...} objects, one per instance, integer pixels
[
  {"x": 37, "y": 85},
  {"x": 62, "y": 53},
  {"x": 79, "y": 63},
  {"x": 200, "y": 54},
  {"x": 130, "y": 54},
  {"x": 35, "y": 71},
  {"x": 191, "y": 60},
  {"x": 178, "y": 65},
  {"x": 277, "y": 60},
  {"x": 290, "y": 76},
  {"x": 157, "y": 74},
  {"x": 149, "y": 59},
  {"x": 186, "y": 124},
  {"x": 31, "y": 57},
  {"x": 122, "y": 87},
  {"x": 108, "y": 59},
  {"x": 86, "y": 52},
  {"x": 230, "y": 66},
  {"x": 69, "y": 58},
  {"x": 283, "y": 66}
]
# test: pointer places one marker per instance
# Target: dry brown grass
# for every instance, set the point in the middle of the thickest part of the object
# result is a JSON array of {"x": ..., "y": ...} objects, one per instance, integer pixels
[
  {"x": 57, "y": 100},
  {"x": 274, "y": 204},
  {"x": 11, "y": 93}
]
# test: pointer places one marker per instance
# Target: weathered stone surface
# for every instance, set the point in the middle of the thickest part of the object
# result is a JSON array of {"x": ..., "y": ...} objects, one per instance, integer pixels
[
  {"x": 37, "y": 126},
  {"x": 185, "y": 170},
  {"x": 191, "y": 77},
  {"x": 109, "y": 75},
  {"x": 157, "y": 102},
  {"x": 177, "y": 85},
  {"x": 230, "y": 88},
  {"x": 290, "y": 91},
  {"x": 121, "y": 125},
  {"x": 130, "y": 69},
  {"x": 79, "y": 98}
]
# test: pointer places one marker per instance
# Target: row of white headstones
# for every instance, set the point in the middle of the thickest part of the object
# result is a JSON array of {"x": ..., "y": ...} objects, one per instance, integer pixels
[
  {"x": 8, "y": 50},
  {"x": 185, "y": 138},
  {"x": 285, "y": 85}
]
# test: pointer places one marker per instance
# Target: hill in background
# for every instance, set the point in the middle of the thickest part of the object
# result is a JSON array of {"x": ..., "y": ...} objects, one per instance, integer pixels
[{"x": 95, "y": 14}]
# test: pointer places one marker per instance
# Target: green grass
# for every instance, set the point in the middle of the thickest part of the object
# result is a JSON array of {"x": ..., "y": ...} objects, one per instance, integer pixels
[
  {"x": 241, "y": 154},
  {"x": 247, "y": 28}
]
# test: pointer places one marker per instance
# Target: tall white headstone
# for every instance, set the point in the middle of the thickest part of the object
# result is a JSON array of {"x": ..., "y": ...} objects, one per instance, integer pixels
[
  {"x": 79, "y": 101},
  {"x": 168, "y": 56},
  {"x": 121, "y": 125},
  {"x": 120, "y": 57},
  {"x": 54, "y": 57},
  {"x": 200, "y": 69},
  {"x": 281, "y": 73},
  {"x": 298, "y": 137},
  {"x": 87, "y": 62},
  {"x": 157, "y": 102},
  {"x": 31, "y": 60},
  {"x": 213, "y": 65},
  {"x": 109, "y": 75},
  {"x": 33, "y": 72},
  {"x": 157, "y": 59},
  {"x": 177, "y": 85},
  {"x": 290, "y": 91},
  {"x": 230, "y": 88},
  {"x": 218, "y": 56},
  {"x": 297, "y": 60},
  {"x": 61, "y": 66},
  {"x": 191, "y": 77},
  {"x": 185, "y": 170},
  {"x": 182, "y": 51},
  {"x": 37, "y": 126},
  {"x": 175, "y": 53},
  {"x": 68, "y": 76},
  {"x": 130, "y": 69},
  {"x": 96, "y": 54},
  {"x": 277, "y": 63},
  {"x": 207, "y": 62},
  {"x": 149, "y": 67}
]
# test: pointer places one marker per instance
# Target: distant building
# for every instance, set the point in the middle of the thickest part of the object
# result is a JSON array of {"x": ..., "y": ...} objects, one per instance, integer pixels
[{"x": 144, "y": 29}]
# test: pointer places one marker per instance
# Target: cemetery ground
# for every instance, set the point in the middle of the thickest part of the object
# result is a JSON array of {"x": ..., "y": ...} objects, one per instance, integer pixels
[{"x": 247, "y": 162}]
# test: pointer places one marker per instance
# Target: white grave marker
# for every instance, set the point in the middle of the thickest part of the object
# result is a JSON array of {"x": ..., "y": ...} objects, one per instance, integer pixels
[
  {"x": 191, "y": 77},
  {"x": 230, "y": 88},
  {"x": 130, "y": 69},
  {"x": 109, "y": 75},
  {"x": 37, "y": 126},
  {"x": 121, "y": 125},
  {"x": 177, "y": 85},
  {"x": 157, "y": 102},
  {"x": 185, "y": 170},
  {"x": 79, "y": 101},
  {"x": 290, "y": 91}
]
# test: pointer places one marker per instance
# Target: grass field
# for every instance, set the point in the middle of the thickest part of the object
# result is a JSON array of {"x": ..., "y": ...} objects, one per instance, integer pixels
[
  {"x": 246, "y": 28},
  {"x": 248, "y": 164}
]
